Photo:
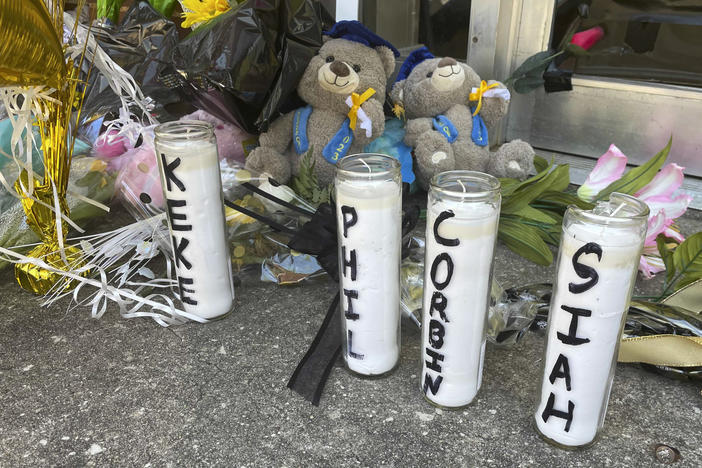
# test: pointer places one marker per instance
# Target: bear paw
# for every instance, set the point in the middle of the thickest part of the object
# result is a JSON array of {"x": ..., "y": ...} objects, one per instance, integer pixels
[
  {"x": 514, "y": 159},
  {"x": 434, "y": 155},
  {"x": 439, "y": 156},
  {"x": 267, "y": 160}
]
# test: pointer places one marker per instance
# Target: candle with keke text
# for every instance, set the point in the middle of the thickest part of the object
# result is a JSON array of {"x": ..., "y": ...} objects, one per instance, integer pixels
[
  {"x": 187, "y": 157},
  {"x": 597, "y": 264},
  {"x": 368, "y": 193},
  {"x": 463, "y": 212}
]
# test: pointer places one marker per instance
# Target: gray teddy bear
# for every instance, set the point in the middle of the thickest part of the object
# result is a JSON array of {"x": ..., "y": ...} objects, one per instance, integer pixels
[
  {"x": 435, "y": 94},
  {"x": 350, "y": 63}
]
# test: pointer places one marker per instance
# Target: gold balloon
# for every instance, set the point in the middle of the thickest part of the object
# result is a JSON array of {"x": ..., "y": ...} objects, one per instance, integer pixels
[
  {"x": 31, "y": 54},
  {"x": 30, "y": 49}
]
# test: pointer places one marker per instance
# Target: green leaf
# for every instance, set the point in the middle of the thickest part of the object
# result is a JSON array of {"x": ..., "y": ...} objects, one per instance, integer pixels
[
  {"x": 556, "y": 180},
  {"x": 509, "y": 185},
  {"x": 541, "y": 164},
  {"x": 534, "y": 214},
  {"x": 306, "y": 184},
  {"x": 684, "y": 264},
  {"x": 165, "y": 7},
  {"x": 109, "y": 9},
  {"x": 527, "y": 84},
  {"x": 552, "y": 234},
  {"x": 666, "y": 256},
  {"x": 535, "y": 63},
  {"x": 637, "y": 177},
  {"x": 687, "y": 257},
  {"x": 565, "y": 199},
  {"x": 525, "y": 241},
  {"x": 576, "y": 50}
]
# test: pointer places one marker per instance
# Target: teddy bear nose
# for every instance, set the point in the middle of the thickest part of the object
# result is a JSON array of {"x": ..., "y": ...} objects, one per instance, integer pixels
[
  {"x": 447, "y": 61},
  {"x": 339, "y": 68}
]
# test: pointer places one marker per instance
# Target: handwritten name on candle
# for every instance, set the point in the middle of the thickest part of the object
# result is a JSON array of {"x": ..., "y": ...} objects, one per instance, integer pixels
[
  {"x": 350, "y": 218},
  {"x": 561, "y": 368},
  {"x": 179, "y": 222},
  {"x": 439, "y": 303}
]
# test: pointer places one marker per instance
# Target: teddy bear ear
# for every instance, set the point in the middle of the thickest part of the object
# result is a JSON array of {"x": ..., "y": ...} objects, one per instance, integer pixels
[
  {"x": 387, "y": 58},
  {"x": 325, "y": 38}
]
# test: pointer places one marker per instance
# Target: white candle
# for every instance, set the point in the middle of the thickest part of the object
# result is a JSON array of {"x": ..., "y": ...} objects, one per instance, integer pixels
[
  {"x": 187, "y": 157},
  {"x": 462, "y": 218},
  {"x": 597, "y": 265},
  {"x": 369, "y": 219}
]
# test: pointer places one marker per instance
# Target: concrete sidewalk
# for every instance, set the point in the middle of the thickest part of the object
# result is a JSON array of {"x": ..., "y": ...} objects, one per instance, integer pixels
[{"x": 77, "y": 391}]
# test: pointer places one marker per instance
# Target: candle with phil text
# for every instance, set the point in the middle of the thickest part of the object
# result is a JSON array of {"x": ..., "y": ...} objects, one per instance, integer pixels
[
  {"x": 597, "y": 263},
  {"x": 368, "y": 191},
  {"x": 463, "y": 212},
  {"x": 187, "y": 157}
]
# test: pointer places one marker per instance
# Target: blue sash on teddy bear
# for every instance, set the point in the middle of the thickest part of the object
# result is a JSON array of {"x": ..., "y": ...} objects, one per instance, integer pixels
[
  {"x": 479, "y": 134},
  {"x": 337, "y": 147}
]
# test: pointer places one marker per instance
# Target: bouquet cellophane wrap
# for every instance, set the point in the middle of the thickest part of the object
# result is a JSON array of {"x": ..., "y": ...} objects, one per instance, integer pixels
[{"x": 244, "y": 65}]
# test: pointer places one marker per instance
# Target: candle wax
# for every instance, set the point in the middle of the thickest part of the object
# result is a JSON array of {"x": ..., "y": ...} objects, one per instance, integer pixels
[
  {"x": 375, "y": 238},
  {"x": 589, "y": 363},
  {"x": 467, "y": 292},
  {"x": 211, "y": 292}
]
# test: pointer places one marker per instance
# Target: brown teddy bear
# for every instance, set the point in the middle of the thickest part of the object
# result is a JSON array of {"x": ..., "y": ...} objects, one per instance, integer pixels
[
  {"x": 344, "y": 87},
  {"x": 449, "y": 112}
]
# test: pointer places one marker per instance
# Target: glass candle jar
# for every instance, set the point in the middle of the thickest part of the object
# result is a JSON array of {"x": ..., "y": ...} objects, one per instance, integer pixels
[
  {"x": 189, "y": 166},
  {"x": 463, "y": 212},
  {"x": 597, "y": 263},
  {"x": 368, "y": 191}
]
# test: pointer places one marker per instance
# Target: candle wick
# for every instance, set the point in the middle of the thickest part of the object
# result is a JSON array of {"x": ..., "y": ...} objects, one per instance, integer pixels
[
  {"x": 621, "y": 205},
  {"x": 463, "y": 187},
  {"x": 366, "y": 164}
]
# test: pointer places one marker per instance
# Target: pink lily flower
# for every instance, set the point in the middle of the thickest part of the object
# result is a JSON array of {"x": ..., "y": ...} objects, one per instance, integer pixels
[
  {"x": 610, "y": 167},
  {"x": 649, "y": 265},
  {"x": 650, "y": 262},
  {"x": 664, "y": 209},
  {"x": 658, "y": 195}
]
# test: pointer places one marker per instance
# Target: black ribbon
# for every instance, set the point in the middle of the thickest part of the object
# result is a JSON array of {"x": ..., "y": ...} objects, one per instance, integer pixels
[
  {"x": 318, "y": 237},
  {"x": 313, "y": 370}
]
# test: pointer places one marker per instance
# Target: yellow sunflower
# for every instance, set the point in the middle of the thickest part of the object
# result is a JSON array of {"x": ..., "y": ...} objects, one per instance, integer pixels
[{"x": 196, "y": 12}]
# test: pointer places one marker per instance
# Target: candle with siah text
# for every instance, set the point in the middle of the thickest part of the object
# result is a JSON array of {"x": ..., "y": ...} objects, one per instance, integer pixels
[
  {"x": 368, "y": 193},
  {"x": 463, "y": 212},
  {"x": 597, "y": 264},
  {"x": 187, "y": 157}
]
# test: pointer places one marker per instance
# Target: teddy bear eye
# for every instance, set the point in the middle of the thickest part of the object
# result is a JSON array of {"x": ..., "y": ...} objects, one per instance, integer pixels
[
  {"x": 356, "y": 68},
  {"x": 330, "y": 59},
  {"x": 429, "y": 74}
]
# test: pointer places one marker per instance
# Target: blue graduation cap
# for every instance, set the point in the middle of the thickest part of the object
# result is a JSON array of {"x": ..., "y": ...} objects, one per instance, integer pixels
[
  {"x": 412, "y": 60},
  {"x": 355, "y": 31}
]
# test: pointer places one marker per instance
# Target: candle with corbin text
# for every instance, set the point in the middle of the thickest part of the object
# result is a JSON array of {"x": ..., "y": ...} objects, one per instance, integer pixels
[
  {"x": 597, "y": 264},
  {"x": 463, "y": 212},
  {"x": 187, "y": 157},
  {"x": 368, "y": 192}
]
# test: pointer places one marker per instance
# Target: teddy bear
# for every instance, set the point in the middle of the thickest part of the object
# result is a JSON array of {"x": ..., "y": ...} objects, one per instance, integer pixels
[
  {"x": 344, "y": 88},
  {"x": 449, "y": 113}
]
